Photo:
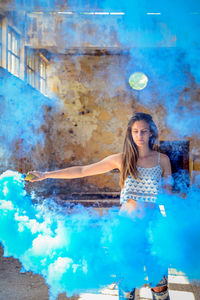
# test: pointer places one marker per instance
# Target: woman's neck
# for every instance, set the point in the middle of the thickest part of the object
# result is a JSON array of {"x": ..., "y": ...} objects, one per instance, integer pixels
[{"x": 144, "y": 151}]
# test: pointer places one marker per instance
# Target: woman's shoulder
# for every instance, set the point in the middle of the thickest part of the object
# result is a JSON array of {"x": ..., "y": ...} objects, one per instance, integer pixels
[
  {"x": 164, "y": 158},
  {"x": 118, "y": 156},
  {"x": 165, "y": 164}
]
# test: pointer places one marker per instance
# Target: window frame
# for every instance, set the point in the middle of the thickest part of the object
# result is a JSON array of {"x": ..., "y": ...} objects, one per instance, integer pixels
[
  {"x": 13, "y": 55},
  {"x": 29, "y": 68},
  {"x": 34, "y": 60},
  {"x": 42, "y": 79}
]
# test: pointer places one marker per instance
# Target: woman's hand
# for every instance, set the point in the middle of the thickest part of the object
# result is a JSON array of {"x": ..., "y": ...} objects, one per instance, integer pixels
[
  {"x": 35, "y": 176},
  {"x": 128, "y": 206},
  {"x": 136, "y": 208}
]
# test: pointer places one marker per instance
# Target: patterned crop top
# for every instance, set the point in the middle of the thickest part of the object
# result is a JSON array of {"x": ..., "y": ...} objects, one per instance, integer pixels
[{"x": 145, "y": 188}]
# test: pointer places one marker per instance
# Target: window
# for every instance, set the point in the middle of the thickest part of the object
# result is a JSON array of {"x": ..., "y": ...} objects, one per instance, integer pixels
[
  {"x": 31, "y": 67},
  {"x": 43, "y": 74},
  {"x": 13, "y": 52},
  {"x": 36, "y": 65}
]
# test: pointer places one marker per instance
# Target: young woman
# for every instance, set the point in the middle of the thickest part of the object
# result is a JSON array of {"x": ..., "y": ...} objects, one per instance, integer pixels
[{"x": 141, "y": 168}]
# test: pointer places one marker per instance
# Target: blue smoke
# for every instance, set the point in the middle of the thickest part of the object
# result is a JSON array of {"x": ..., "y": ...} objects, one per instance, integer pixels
[
  {"x": 77, "y": 250},
  {"x": 165, "y": 47},
  {"x": 23, "y": 115},
  {"x": 181, "y": 229}
]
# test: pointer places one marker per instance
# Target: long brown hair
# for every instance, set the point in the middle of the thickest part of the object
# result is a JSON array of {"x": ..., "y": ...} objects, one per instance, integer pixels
[{"x": 130, "y": 149}]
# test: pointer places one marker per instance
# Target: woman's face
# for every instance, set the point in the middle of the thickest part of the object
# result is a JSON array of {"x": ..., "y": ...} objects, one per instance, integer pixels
[{"x": 141, "y": 133}]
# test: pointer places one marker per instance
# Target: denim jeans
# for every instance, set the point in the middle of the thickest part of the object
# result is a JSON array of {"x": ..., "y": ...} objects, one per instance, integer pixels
[{"x": 149, "y": 263}]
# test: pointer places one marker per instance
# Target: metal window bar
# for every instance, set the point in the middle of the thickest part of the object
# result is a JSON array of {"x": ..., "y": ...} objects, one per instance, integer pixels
[
  {"x": 36, "y": 69},
  {"x": 42, "y": 75},
  {"x": 30, "y": 67},
  {"x": 30, "y": 75}
]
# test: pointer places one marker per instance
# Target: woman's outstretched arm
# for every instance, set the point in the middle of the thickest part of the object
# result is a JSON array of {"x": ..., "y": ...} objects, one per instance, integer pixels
[{"x": 105, "y": 165}]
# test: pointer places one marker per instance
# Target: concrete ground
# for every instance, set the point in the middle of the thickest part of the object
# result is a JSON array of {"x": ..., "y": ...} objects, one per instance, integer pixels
[
  {"x": 179, "y": 289},
  {"x": 15, "y": 285}
]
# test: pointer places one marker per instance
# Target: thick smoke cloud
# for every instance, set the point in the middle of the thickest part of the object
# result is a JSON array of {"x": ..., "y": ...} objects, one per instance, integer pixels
[
  {"x": 22, "y": 115},
  {"x": 72, "y": 250},
  {"x": 164, "y": 45}
]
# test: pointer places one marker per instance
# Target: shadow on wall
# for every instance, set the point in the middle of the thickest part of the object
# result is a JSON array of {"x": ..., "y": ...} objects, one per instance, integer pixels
[{"x": 178, "y": 153}]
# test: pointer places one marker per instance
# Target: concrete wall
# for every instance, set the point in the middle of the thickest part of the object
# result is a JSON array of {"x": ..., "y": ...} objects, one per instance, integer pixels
[
  {"x": 95, "y": 113},
  {"x": 96, "y": 99},
  {"x": 97, "y": 104},
  {"x": 60, "y": 32}
]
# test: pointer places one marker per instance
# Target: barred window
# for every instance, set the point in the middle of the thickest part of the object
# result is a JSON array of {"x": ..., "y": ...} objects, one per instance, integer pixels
[
  {"x": 13, "y": 52},
  {"x": 31, "y": 67},
  {"x": 35, "y": 68},
  {"x": 43, "y": 74}
]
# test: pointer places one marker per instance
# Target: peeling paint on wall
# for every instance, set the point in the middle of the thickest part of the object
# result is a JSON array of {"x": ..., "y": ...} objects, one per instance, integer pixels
[{"x": 98, "y": 103}]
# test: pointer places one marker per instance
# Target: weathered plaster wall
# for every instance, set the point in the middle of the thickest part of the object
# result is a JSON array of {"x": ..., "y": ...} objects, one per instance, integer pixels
[
  {"x": 95, "y": 112},
  {"x": 97, "y": 100},
  {"x": 72, "y": 30},
  {"x": 97, "y": 104}
]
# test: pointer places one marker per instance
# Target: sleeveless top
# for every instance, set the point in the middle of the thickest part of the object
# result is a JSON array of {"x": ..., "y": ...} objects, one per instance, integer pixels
[{"x": 145, "y": 188}]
